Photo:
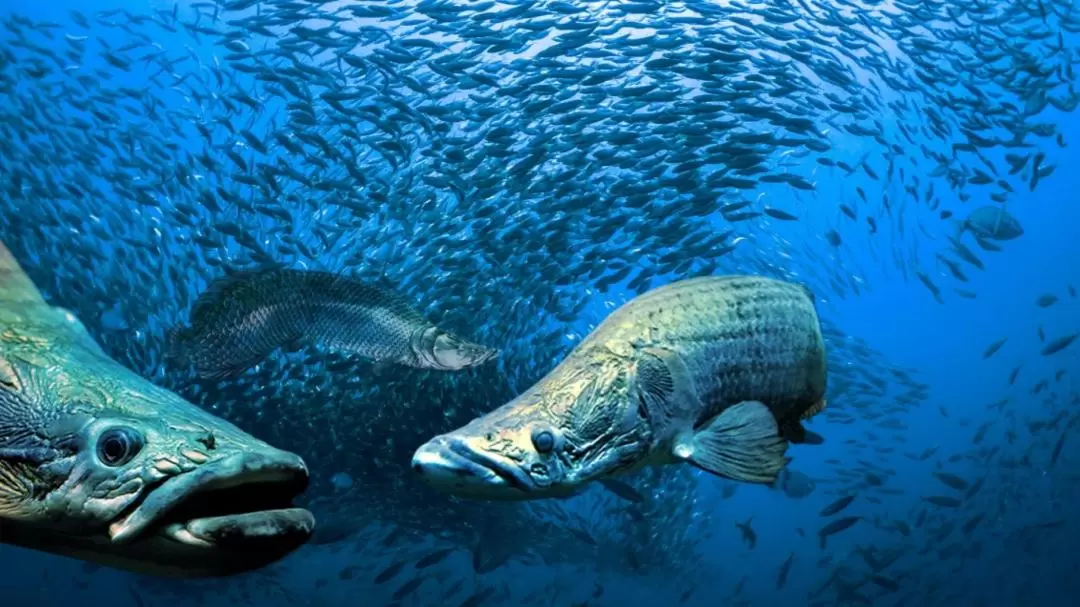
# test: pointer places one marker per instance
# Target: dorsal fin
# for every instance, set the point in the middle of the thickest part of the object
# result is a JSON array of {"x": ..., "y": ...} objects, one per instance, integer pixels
[{"x": 15, "y": 285}]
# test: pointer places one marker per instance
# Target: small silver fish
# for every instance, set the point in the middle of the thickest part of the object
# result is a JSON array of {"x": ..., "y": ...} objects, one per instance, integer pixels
[{"x": 242, "y": 318}]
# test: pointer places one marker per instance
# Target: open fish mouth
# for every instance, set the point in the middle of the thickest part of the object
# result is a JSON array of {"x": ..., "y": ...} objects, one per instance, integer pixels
[
  {"x": 449, "y": 464},
  {"x": 243, "y": 501}
]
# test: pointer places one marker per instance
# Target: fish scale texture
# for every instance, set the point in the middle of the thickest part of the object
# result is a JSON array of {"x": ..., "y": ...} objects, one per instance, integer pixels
[
  {"x": 240, "y": 319},
  {"x": 741, "y": 337}
]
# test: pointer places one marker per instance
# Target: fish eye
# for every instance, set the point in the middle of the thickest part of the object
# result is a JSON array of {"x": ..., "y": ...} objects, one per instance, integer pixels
[
  {"x": 118, "y": 446},
  {"x": 543, "y": 441}
]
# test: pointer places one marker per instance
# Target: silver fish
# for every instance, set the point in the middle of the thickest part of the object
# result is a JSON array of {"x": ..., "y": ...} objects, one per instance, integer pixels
[{"x": 241, "y": 319}]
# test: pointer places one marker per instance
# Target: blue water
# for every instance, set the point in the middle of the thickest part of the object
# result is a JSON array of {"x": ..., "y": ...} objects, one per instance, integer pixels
[{"x": 1003, "y": 562}]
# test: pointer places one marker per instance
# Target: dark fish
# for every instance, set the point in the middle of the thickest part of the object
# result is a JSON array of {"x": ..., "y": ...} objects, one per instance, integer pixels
[
  {"x": 941, "y": 500},
  {"x": 478, "y": 597},
  {"x": 1059, "y": 344},
  {"x": 434, "y": 558},
  {"x": 1057, "y": 447},
  {"x": 836, "y": 526},
  {"x": 930, "y": 286},
  {"x": 387, "y": 574},
  {"x": 453, "y": 589},
  {"x": 392, "y": 537},
  {"x": 785, "y": 569},
  {"x": 1045, "y": 301},
  {"x": 994, "y": 347},
  {"x": 240, "y": 319},
  {"x": 884, "y": 582},
  {"x": 333, "y": 531},
  {"x": 953, "y": 481},
  {"x": 748, "y": 534},
  {"x": 966, "y": 254},
  {"x": 993, "y": 223},
  {"x": 778, "y": 214},
  {"x": 837, "y": 506},
  {"x": 1013, "y": 374},
  {"x": 972, "y": 522},
  {"x": 407, "y": 588},
  {"x": 584, "y": 536}
]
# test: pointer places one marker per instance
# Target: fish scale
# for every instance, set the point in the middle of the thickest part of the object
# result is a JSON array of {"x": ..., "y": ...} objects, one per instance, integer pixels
[
  {"x": 240, "y": 319},
  {"x": 742, "y": 337}
]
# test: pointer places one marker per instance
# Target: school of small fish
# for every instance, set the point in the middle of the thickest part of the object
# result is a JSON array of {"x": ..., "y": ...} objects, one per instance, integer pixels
[{"x": 510, "y": 167}]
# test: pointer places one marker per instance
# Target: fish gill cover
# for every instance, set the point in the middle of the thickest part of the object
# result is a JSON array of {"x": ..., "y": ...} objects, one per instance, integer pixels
[{"x": 519, "y": 168}]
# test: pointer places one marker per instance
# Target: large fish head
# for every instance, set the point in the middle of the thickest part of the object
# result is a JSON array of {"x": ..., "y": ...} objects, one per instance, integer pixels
[
  {"x": 100, "y": 464},
  {"x": 574, "y": 426}
]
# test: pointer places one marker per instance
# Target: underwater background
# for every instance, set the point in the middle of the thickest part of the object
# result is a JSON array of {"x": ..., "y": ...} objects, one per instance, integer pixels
[{"x": 518, "y": 169}]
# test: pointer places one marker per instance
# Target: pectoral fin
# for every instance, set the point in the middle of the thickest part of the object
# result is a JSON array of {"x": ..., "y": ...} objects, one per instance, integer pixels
[{"x": 741, "y": 443}]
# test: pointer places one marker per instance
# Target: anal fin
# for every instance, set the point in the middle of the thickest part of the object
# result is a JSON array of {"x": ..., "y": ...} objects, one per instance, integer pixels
[{"x": 742, "y": 443}]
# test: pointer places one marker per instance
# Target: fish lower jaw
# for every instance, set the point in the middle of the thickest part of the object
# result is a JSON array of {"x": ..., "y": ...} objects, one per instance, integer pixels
[
  {"x": 180, "y": 533},
  {"x": 287, "y": 525},
  {"x": 236, "y": 494}
]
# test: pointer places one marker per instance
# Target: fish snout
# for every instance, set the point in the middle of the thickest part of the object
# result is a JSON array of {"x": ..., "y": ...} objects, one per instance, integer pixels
[
  {"x": 448, "y": 463},
  {"x": 438, "y": 459}
]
